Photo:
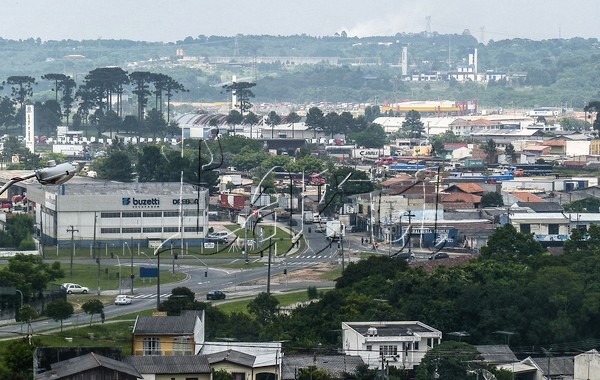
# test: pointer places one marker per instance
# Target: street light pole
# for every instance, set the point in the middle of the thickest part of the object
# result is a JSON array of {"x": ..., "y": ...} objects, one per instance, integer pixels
[{"x": 72, "y": 230}]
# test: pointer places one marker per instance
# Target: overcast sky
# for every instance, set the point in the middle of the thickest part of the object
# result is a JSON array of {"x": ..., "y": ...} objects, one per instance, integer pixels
[{"x": 172, "y": 20}]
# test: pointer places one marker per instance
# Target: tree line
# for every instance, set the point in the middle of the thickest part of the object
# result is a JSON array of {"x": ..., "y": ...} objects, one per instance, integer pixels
[{"x": 99, "y": 101}]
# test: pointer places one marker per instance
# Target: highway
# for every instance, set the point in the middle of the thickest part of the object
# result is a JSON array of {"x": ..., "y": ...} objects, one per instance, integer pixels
[{"x": 236, "y": 283}]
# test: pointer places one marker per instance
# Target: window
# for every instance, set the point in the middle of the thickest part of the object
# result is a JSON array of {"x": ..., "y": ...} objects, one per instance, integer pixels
[
  {"x": 170, "y": 214},
  {"x": 429, "y": 342},
  {"x": 182, "y": 345},
  {"x": 416, "y": 346},
  {"x": 525, "y": 228},
  {"x": 110, "y": 214},
  {"x": 193, "y": 229},
  {"x": 552, "y": 229},
  {"x": 152, "y": 214},
  {"x": 151, "y": 346},
  {"x": 132, "y": 230},
  {"x": 369, "y": 348},
  {"x": 171, "y": 229},
  {"x": 239, "y": 376},
  {"x": 131, "y": 214},
  {"x": 110, "y": 230},
  {"x": 190, "y": 212},
  {"x": 388, "y": 350},
  {"x": 152, "y": 229}
]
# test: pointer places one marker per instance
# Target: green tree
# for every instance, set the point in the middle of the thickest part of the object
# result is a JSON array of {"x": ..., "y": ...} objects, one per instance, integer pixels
[
  {"x": 589, "y": 204},
  {"x": 373, "y": 136},
  {"x": 116, "y": 166},
  {"x": 251, "y": 119},
  {"x": 222, "y": 374},
  {"x": 264, "y": 307},
  {"x": 181, "y": 298},
  {"x": 155, "y": 123},
  {"x": 91, "y": 307},
  {"x": 273, "y": 119},
  {"x": 7, "y": 112},
  {"x": 30, "y": 274},
  {"x": 313, "y": 373},
  {"x": 315, "y": 120},
  {"x": 412, "y": 126},
  {"x": 22, "y": 88},
  {"x": 19, "y": 227},
  {"x": 243, "y": 94},
  {"x": 593, "y": 107},
  {"x": 492, "y": 199},
  {"x": 506, "y": 241},
  {"x": 510, "y": 153},
  {"x": 234, "y": 118},
  {"x": 59, "y": 310},
  {"x": 141, "y": 81},
  {"x": 490, "y": 150},
  {"x": 450, "y": 360},
  {"x": 17, "y": 358}
]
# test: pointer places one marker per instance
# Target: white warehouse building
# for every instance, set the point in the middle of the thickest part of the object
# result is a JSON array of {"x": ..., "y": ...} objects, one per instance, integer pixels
[{"x": 110, "y": 214}]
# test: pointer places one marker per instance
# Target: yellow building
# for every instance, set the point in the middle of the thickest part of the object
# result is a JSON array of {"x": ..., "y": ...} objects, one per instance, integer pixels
[{"x": 169, "y": 335}]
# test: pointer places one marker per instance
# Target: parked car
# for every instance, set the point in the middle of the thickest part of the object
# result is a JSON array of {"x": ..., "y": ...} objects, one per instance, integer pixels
[
  {"x": 122, "y": 300},
  {"x": 215, "y": 295},
  {"x": 76, "y": 288},
  {"x": 404, "y": 256},
  {"x": 439, "y": 255}
]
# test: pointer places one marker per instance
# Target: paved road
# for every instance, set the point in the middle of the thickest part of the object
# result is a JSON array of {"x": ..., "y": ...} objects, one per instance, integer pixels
[{"x": 235, "y": 282}]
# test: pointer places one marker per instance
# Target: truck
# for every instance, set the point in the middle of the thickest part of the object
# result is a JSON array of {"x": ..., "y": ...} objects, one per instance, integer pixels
[
  {"x": 334, "y": 230},
  {"x": 307, "y": 217},
  {"x": 232, "y": 201}
]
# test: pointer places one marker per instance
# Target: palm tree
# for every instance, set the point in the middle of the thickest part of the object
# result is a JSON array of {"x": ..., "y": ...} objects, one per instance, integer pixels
[{"x": 273, "y": 119}]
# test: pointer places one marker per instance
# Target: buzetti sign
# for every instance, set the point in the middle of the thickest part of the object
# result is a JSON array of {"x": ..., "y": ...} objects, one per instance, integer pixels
[{"x": 141, "y": 202}]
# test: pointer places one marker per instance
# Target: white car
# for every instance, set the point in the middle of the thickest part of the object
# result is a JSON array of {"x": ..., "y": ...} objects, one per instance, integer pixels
[
  {"x": 76, "y": 288},
  {"x": 122, "y": 300}
]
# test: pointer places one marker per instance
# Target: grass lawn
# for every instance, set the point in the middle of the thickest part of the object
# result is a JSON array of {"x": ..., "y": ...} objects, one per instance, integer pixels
[
  {"x": 241, "y": 306},
  {"x": 109, "y": 334},
  {"x": 87, "y": 275}
]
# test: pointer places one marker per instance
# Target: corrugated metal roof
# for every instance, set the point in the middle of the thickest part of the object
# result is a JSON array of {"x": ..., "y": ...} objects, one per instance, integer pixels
[
  {"x": 169, "y": 325},
  {"x": 85, "y": 363},
  {"x": 163, "y": 365},
  {"x": 335, "y": 365}
]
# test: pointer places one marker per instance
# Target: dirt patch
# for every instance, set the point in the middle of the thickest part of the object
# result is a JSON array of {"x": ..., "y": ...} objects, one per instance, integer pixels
[{"x": 315, "y": 273}]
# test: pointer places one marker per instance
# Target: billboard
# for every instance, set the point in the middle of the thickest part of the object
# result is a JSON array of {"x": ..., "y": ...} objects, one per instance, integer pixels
[{"x": 29, "y": 128}]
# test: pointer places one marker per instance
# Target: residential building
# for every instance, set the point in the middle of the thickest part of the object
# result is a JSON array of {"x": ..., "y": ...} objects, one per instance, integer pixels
[
  {"x": 547, "y": 228},
  {"x": 245, "y": 360},
  {"x": 587, "y": 366},
  {"x": 185, "y": 367},
  {"x": 90, "y": 366},
  {"x": 337, "y": 366},
  {"x": 400, "y": 344},
  {"x": 169, "y": 335}
]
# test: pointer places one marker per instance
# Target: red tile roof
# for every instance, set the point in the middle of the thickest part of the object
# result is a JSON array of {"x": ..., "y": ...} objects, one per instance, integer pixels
[{"x": 528, "y": 197}]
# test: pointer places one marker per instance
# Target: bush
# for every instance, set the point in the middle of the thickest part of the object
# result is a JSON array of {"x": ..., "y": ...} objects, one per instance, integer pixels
[
  {"x": 27, "y": 244},
  {"x": 312, "y": 293}
]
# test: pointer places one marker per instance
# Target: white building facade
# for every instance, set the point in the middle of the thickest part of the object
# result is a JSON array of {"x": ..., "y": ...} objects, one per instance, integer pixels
[
  {"x": 399, "y": 344},
  {"x": 111, "y": 214}
]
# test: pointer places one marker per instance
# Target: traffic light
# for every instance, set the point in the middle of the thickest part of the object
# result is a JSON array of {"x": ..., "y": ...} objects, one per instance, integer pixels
[
  {"x": 176, "y": 256},
  {"x": 262, "y": 254},
  {"x": 205, "y": 273},
  {"x": 285, "y": 271}
]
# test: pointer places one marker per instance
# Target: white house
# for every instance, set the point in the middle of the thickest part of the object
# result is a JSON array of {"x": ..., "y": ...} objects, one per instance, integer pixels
[
  {"x": 587, "y": 365},
  {"x": 400, "y": 344}
]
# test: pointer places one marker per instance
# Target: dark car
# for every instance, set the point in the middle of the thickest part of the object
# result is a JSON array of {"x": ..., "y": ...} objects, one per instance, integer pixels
[
  {"x": 215, "y": 295},
  {"x": 439, "y": 255},
  {"x": 404, "y": 256}
]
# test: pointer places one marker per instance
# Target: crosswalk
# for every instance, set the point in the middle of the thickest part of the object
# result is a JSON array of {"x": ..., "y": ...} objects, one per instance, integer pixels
[{"x": 150, "y": 295}]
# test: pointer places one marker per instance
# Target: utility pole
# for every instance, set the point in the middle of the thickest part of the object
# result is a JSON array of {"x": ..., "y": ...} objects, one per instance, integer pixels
[
  {"x": 72, "y": 230},
  {"x": 269, "y": 270},
  {"x": 410, "y": 216}
]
